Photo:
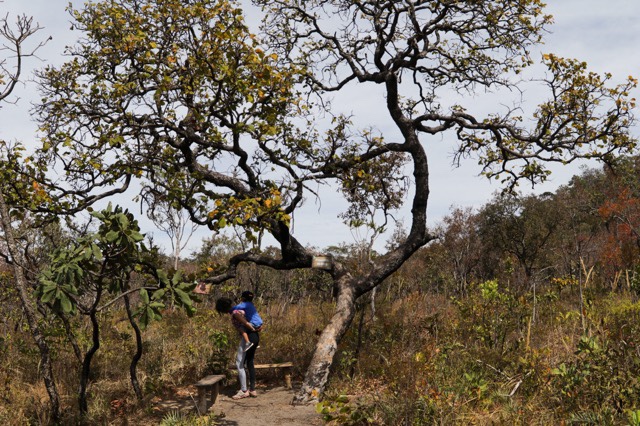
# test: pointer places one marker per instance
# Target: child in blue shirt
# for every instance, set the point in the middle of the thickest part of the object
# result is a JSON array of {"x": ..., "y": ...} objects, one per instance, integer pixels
[{"x": 251, "y": 315}]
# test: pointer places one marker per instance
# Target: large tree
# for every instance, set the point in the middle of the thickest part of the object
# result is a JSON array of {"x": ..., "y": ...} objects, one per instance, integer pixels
[
  {"x": 221, "y": 123},
  {"x": 421, "y": 52}
]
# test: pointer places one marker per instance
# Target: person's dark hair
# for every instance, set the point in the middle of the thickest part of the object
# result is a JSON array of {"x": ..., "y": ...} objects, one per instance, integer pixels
[
  {"x": 247, "y": 295},
  {"x": 224, "y": 305}
]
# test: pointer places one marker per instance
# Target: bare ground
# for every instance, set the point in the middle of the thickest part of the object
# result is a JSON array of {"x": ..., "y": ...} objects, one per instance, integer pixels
[{"x": 272, "y": 407}]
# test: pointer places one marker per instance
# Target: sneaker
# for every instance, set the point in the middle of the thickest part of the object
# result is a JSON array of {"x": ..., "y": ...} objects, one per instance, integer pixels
[
  {"x": 241, "y": 394},
  {"x": 253, "y": 394},
  {"x": 247, "y": 346}
]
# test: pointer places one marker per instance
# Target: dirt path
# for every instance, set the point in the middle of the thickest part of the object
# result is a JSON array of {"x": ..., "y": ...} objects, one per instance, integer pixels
[{"x": 272, "y": 407}]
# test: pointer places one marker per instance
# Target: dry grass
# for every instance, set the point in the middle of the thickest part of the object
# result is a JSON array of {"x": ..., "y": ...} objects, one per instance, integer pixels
[{"x": 419, "y": 361}]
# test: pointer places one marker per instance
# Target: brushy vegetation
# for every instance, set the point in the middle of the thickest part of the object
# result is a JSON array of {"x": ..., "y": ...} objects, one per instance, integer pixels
[
  {"x": 484, "y": 359},
  {"x": 424, "y": 359},
  {"x": 177, "y": 349}
]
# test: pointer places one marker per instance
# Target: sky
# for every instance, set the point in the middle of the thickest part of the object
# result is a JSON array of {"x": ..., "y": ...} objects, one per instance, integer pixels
[{"x": 605, "y": 34}]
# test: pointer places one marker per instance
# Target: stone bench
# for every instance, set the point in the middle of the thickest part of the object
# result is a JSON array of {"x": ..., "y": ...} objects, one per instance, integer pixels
[{"x": 209, "y": 384}]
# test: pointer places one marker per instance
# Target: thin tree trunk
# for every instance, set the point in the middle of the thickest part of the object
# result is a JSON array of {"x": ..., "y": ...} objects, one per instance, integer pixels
[
  {"x": 70, "y": 336},
  {"x": 373, "y": 303},
  {"x": 136, "y": 357},
  {"x": 356, "y": 352},
  {"x": 318, "y": 372},
  {"x": 86, "y": 364},
  {"x": 29, "y": 311}
]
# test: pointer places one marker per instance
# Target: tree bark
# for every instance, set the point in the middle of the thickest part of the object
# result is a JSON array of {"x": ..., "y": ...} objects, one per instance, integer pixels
[
  {"x": 318, "y": 371},
  {"x": 136, "y": 357},
  {"x": 29, "y": 311}
]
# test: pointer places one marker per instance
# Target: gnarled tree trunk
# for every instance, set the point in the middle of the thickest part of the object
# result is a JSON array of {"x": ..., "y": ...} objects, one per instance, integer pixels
[{"x": 327, "y": 346}]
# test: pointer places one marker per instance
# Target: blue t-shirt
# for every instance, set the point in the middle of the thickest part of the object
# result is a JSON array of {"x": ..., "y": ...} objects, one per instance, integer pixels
[{"x": 250, "y": 312}]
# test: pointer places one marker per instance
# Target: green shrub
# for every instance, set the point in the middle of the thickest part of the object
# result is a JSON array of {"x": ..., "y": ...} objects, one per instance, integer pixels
[
  {"x": 342, "y": 411},
  {"x": 603, "y": 374},
  {"x": 492, "y": 317}
]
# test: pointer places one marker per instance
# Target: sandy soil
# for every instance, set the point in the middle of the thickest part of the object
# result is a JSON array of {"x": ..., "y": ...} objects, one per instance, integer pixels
[{"x": 272, "y": 407}]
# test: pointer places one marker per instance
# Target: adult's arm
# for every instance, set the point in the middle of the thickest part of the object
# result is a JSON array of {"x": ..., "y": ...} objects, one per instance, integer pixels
[{"x": 243, "y": 320}]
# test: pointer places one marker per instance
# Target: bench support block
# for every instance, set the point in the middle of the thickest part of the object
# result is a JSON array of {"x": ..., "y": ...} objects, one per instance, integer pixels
[
  {"x": 287, "y": 377},
  {"x": 209, "y": 385}
]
